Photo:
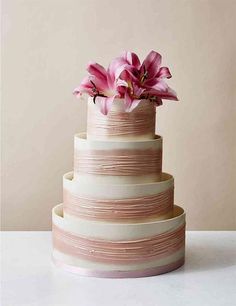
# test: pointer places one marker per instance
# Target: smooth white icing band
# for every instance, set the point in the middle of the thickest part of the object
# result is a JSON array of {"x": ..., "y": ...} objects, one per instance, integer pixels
[{"x": 82, "y": 188}]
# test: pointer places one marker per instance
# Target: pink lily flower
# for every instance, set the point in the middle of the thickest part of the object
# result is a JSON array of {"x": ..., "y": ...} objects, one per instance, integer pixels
[
  {"x": 127, "y": 78},
  {"x": 149, "y": 77},
  {"x": 153, "y": 75},
  {"x": 131, "y": 59},
  {"x": 102, "y": 84}
]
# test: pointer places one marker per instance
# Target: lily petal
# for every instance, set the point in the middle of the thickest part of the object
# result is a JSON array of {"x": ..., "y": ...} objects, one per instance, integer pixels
[
  {"x": 151, "y": 64},
  {"x": 131, "y": 58},
  {"x": 97, "y": 70},
  {"x": 160, "y": 85},
  {"x": 150, "y": 83},
  {"x": 104, "y": 104},
  {"x": 130, "y": 73},
  {"x": 134, "y": 104},
  {"x": 85, "y": 87},
  {"x": 115, "y": 68},
  {"x": 164, "y": 72},
  {"x": 98, "y": 75},
  {"x": 130, "y": 103},
  {"x": 127, "y": 100},
  {"x": 121, "y": 86},
  {"x": 168, "y": 94}
]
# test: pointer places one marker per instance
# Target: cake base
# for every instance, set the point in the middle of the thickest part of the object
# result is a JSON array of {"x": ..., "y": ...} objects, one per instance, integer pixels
[
  {"x": 120, "y": 274},
  {"x": 118, "y": 250}
]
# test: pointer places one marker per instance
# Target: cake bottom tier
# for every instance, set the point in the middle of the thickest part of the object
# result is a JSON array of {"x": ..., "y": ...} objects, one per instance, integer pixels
[{"x": 118, "y": 250}]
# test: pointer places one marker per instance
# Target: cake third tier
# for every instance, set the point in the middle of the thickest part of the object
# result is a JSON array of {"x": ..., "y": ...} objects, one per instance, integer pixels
[{"x": 118, "y": 202}]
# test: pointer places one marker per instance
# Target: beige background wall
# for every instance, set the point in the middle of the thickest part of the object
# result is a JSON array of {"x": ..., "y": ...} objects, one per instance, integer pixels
[{"x": 46, "y": 45}]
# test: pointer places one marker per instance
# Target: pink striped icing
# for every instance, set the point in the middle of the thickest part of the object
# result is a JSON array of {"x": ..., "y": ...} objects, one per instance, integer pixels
[
  {"x": 123, "y": 273},
  {"x": 141, "y": 121},
  {"x": 125, "y": 162},
  {"x": 119, "y": 209},
  {"x": 122, "y": 252}
]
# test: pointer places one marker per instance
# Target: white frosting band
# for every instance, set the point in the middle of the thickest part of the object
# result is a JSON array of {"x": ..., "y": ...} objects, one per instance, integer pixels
[
  {"x": 118, "y": 191},
  {"x": 88, "y": 264},
  {"x": 117, "y": 231}
]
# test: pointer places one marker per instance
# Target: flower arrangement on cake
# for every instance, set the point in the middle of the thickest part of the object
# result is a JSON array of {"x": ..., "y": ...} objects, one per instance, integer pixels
[{"x": 126, "y": 77}]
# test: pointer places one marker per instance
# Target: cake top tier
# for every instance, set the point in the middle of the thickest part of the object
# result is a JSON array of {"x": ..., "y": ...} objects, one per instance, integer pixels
[{"x": 119, "y": 124}]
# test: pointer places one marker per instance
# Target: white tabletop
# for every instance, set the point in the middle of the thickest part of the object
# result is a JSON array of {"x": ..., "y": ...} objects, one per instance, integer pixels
[{"x": 30, "y": 278}]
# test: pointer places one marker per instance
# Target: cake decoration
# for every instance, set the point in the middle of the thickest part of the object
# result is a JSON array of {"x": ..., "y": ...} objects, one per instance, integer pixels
[{"x": 126, "y": 77}]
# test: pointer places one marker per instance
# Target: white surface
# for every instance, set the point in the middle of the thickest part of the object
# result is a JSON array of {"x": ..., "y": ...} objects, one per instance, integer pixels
[{"x": 208, "y": 277}]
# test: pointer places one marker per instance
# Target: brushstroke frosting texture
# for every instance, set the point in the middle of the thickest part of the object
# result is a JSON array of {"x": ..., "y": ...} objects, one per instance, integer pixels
[
  {"x": 113, "y": 162},
  {"x": 118, "y": 217},
  {"x": 120, "y": 125}
]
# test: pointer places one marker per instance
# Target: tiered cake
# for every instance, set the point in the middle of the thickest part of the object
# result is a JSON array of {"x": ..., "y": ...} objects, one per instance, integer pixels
[{"x": 118, "y": 217}]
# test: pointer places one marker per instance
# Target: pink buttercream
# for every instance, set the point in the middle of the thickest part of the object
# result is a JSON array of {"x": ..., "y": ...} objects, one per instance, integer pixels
[{"x": 119, "y": 209}]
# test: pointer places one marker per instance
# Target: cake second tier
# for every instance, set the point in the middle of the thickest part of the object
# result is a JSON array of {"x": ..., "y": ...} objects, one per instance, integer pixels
[{"x": 117, "y": 162}]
